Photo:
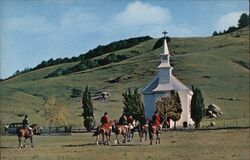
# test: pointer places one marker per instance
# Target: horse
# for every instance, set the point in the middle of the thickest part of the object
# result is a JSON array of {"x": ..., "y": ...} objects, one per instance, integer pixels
[
  {"x": 143, "y": 131},
  {"x": 155, "y": 130},
  {"x": 165, "y": 121},
  {"x": 104, "y": 131},
  {"x": 24, "y": 132},
  {"x": 131, "y": 130},
  {"x": 119, "y": 130}
]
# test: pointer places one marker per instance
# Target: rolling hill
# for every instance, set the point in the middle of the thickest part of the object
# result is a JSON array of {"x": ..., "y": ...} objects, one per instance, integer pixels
[{"x": 218, "y": 65}]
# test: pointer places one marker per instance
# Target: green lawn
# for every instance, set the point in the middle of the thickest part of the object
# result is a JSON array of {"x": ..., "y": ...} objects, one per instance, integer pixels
[{"x": 177, "y": 145}]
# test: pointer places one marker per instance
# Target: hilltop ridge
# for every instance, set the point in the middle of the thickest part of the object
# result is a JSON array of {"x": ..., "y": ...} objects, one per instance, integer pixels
[{"x": 219, "y": 65}]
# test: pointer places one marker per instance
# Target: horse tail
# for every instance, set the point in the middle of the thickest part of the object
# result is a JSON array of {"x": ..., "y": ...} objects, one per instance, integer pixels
[
  {"x": 18, "y": 132},
  {"x": 97, "y": 132},
  {"x": 150, "y": 131}
]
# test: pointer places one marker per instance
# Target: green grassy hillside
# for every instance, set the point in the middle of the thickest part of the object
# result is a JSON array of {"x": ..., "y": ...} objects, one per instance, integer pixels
[{"x": 218, "y": 65}]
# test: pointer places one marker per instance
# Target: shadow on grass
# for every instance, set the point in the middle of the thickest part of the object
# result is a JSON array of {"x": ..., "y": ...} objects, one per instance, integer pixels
[
  {"x": 126, "y": 145},
  {"x": 80, "y": 145},
  {"x": 7, "y": 147},
  {"x": 101, "y": 144}
]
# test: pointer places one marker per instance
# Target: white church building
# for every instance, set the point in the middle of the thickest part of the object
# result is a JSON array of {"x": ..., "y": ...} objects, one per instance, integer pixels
[{"x": 162, "y": 85}]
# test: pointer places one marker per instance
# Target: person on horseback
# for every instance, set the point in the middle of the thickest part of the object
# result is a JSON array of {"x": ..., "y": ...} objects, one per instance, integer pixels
[
  {"x": 130, "y": 120},
  {"x": 105, "y": 121},
  {"x": 26, "y": 125},
  {"x": 143, "y": 120},
  {"x": 123, "y": 120},
  {"x": 156, "y": 120}
]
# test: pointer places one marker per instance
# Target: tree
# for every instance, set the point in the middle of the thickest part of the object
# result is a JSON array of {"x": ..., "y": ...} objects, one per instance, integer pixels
[
  {"x": 170, "y": 106},
  {"x": 215, "y": 33},
  {"x": 54, "y": 112},
  {"x": 197, "y": 106},
  {"x": 243, "y": 21},
  {"x": 88, "y": 110},
  {"x": 133, "y": 104}
]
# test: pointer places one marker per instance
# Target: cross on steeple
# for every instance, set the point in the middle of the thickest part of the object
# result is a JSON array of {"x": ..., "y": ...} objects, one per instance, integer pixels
[{"x": 164, "y": 33}]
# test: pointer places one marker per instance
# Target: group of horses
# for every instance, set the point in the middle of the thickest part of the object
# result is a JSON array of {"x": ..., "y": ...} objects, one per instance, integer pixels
[{"x": 127, "y": 132}]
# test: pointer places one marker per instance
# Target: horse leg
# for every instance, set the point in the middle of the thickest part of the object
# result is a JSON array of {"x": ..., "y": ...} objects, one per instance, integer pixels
[
  {"x": 116, "y": 139},
  {"x": 103, "y": 139},
  {"x": 31, "y": 141},
  {"x": 132, "y": 135},
  {"x": 128, "y": 135},
  {"x": 24, "y": 142},
  {"x": 146, "y": 135},
  {"x": 125, "y": 138},
  {"x": 158, "y": 138},
  {"x": 97, "y": 139},
  {"x": 20, "y": 142},
  {"x": 140, "y": 136},
  {"x": 107, "y": 138},
  {"x": 151, "y": 140},
  {"x": 151, "y": 137}
]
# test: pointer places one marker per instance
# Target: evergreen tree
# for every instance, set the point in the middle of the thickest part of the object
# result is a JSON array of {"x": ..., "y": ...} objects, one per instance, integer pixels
[
  {"x": 133, "y": 104},
  {"x": 170, "y": 106},
  {"x": 197, "y": 106},
  {"x": 88, "y": 110},
  {"x": 243, "y": 21},
  {"x": 215, "y": 33}
]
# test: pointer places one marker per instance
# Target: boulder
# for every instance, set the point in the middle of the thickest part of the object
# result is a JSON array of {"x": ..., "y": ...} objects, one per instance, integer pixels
[{"x": 214, "y": 109}]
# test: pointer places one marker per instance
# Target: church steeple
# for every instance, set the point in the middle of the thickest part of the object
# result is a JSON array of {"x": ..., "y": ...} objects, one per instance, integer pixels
[
  {"x": 165, "y": 55},
  {"x": 165, "y": 43},
  {"x": 165, "y": 69}
]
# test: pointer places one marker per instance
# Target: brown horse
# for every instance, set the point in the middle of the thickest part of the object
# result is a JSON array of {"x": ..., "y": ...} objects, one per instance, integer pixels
[
  {"x": 25, "y": 133},
  {"x": 104, "y": 131},
  {"x": 143, "y": 131},
  {"x": 119, "y": 130},
  {"x": 155, "y": 130}
]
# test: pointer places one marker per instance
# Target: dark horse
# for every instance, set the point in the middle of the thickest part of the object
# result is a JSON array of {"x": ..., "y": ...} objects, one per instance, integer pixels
[
  {"x": 143, "y": 131},
  {"x": 25, "y": 133},
  {"x": 104, "y": 131}
]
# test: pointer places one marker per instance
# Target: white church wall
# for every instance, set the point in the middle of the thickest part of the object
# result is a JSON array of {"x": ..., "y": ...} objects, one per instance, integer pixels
[{"x": 185, "y": 104}]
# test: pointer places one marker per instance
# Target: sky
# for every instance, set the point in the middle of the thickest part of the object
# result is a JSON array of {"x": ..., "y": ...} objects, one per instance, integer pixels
[{"x": 35, "y": 30}]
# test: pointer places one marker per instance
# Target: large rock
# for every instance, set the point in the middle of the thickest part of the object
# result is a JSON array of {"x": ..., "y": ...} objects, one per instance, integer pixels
[{"x": 214, "y": 109}]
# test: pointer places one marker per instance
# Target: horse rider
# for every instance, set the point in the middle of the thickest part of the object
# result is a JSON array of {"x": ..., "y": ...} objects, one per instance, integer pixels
[
  {"x": 143, "y": 120},
  {"x": 130, "y": 122},
  {"x": 105, "y": 121},
  {"x": 156, "y": 120},
  {"x": 26, "y": 125},
  {"x": 123, "y": 120}
]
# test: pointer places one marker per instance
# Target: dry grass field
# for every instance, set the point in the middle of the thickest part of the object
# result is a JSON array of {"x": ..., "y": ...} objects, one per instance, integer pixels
[{"x": 175, "y": 145}]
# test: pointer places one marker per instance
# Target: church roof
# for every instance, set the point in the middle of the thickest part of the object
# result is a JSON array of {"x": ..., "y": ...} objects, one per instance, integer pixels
[{"x": 155, "y": 86}]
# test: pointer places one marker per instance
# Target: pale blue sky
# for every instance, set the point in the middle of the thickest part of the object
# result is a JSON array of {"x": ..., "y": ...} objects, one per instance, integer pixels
[{"x": 35, "y": 30}]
